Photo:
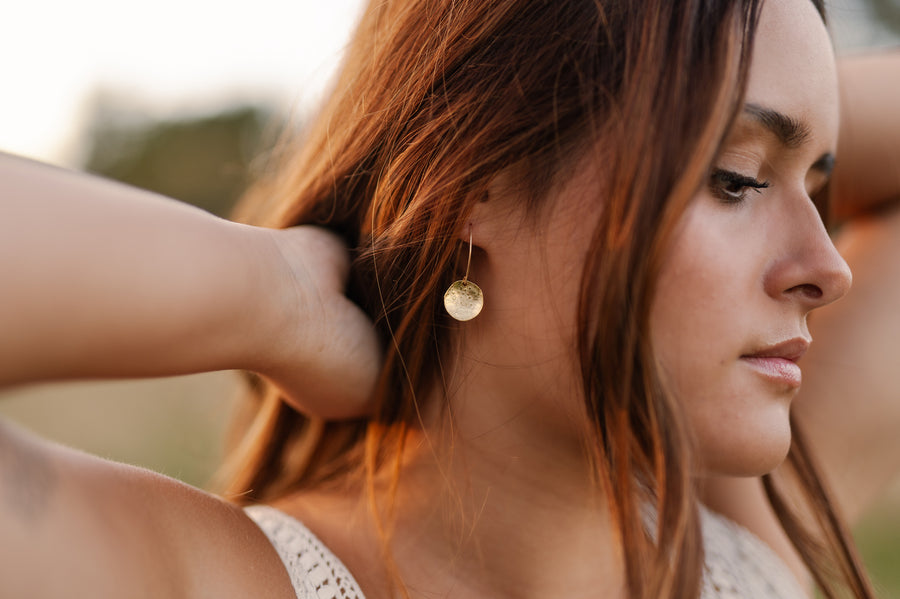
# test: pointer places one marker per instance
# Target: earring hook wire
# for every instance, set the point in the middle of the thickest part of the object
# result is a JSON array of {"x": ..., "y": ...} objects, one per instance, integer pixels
[{"x": 469, "y": 261}]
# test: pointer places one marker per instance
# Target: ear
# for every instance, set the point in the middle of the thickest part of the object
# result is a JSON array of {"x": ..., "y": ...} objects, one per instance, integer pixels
[{"x": 498, "y": 216}]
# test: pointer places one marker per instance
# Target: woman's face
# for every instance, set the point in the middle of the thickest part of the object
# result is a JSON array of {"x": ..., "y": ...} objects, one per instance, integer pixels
[
  {"x": 748, "y": 263},
  {"x": 752, "y": 258}
]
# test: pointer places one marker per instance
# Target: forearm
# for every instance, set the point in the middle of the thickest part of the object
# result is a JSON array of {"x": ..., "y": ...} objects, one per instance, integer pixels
[
  {"x": 867, "y": 175},
  {"x": 102, "y": 280}
]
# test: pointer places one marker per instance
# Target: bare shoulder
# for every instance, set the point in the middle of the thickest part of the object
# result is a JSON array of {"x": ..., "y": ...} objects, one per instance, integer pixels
[{"x": 76, "y": 525}]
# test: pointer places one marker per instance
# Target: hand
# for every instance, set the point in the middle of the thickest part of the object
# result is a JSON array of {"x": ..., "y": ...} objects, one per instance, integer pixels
[{"x": 325, "y": 356}]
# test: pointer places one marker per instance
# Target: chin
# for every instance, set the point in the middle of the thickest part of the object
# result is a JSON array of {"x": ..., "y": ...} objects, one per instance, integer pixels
[{"x": 755, "y": 449}]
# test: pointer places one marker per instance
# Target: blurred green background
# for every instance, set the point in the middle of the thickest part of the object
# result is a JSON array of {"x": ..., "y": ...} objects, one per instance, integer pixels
[{"x": 175, "y": 426}]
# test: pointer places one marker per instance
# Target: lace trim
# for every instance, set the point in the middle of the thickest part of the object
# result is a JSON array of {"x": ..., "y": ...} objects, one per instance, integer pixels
[
  {"x": 316, "y": 573},
  {"x": 738, "y": 564}
]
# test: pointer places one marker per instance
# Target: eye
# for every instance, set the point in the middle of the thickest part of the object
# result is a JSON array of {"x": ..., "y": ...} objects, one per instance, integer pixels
[{"x": 731, "y": 187}]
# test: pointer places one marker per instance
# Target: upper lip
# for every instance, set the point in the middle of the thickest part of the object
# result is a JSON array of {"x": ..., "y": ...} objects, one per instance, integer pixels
[{"x": 792, "y": 349}]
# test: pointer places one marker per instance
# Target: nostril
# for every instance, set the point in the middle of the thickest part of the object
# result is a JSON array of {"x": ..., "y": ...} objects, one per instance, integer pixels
[{"x": 807, "y": 290}]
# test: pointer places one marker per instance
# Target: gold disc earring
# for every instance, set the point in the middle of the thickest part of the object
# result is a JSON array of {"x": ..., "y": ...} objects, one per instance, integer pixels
[{"x": 464, "y": 299}]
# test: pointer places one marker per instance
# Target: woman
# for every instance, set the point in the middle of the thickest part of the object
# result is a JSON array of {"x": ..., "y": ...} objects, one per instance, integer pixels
[{"x": 633, "y": 182}]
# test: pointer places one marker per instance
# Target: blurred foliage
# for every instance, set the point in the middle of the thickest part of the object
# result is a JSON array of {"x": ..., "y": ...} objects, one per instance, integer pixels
[
  {"x": 886, "y": 12},
  {"x": 204, "y": 160},
  {"x": 174, "y": 425},
  {"x": 878, "y": 538}
]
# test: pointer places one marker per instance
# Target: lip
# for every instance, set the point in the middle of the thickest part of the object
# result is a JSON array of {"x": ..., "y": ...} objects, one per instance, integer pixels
[{"x": 778, "y": 362}]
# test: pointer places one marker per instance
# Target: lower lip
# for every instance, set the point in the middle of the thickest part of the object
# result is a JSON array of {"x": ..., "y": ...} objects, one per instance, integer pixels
[{"x": 777, "y": 369}]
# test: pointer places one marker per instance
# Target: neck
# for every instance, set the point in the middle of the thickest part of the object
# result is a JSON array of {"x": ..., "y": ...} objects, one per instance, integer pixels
[
  {"x": 495, "y": 499},
  {"x": 503, "y": 506}
]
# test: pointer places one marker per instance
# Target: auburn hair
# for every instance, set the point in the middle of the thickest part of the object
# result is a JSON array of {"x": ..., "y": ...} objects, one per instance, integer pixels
[{"x": 434, "y": 98}]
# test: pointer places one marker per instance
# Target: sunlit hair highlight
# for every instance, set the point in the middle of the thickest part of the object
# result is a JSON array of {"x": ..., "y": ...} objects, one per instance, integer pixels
[{"x": 435, "y": 98}]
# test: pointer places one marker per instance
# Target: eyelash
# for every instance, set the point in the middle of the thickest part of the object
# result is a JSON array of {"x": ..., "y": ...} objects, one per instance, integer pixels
[{"x": 731, "y": 187}]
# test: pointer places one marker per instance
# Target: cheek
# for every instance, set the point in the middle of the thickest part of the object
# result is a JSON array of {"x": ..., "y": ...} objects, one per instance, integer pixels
[
  {"x": 696, "y": 312},
  {"x": 692, "y": 324},
  {"x": 707, "y": 303}
]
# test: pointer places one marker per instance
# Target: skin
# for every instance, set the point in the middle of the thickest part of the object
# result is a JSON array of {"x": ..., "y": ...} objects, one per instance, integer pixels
[
  {"x": 500, "y": 507},
  {"x": 121, "y": 282},
  {"x": 745, "y": 272}
]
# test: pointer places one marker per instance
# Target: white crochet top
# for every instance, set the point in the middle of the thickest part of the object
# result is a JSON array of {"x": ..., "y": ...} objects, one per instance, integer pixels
[{"x": 738, "y": 565}]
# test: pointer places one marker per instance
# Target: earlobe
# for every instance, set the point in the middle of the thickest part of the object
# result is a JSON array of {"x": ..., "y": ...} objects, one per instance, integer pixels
[
  {"x": 478, "y": 214},
  {"x": 490, "y": 230},
  {"x": 500, "y": 210}
]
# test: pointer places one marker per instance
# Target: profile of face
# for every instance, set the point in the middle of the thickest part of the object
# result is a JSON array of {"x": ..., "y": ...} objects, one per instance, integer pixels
[
  {"x": 752, "y": 258},
  {"x": 748, "y": 263}
]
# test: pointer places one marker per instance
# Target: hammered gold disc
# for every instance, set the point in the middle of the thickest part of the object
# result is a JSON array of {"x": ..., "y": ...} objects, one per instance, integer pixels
[{"x": 464, "y": 300}]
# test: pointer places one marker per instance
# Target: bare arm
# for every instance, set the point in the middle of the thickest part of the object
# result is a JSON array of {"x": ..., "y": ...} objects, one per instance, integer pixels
[
  {"x": 867, "y": 176},
  {"x": 103, "y": 280}
]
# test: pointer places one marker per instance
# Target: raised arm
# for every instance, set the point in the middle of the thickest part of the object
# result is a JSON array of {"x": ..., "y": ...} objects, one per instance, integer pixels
[
  {"x": 867, "y": 176},
  {"x": 103, "y": 280}
]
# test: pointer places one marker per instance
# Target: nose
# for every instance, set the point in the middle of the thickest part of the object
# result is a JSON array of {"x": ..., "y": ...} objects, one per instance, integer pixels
[{"x": 808, "y": 269}]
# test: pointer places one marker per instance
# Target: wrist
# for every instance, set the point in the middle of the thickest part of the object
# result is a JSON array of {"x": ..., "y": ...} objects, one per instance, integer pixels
[{"x": 274, "y": 312}]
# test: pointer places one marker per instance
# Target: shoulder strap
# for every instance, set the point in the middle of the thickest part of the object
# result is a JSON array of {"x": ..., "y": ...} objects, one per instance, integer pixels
[{"x": 315, "y": 571}]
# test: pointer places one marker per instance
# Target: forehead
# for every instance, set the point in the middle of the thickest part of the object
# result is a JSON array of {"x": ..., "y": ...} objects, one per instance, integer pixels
[{"x": 793, "y": 68}]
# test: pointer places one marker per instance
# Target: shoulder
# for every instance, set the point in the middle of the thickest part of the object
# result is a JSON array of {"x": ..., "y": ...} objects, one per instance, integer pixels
[{"x": 102, "y": 527}]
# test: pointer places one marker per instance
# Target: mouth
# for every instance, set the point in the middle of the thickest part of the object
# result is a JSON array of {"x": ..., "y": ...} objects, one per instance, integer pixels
[{"x": 778, "y": 362}]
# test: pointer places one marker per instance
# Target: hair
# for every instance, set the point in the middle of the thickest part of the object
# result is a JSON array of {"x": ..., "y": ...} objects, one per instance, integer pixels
[{"x": 434, "y": 98}]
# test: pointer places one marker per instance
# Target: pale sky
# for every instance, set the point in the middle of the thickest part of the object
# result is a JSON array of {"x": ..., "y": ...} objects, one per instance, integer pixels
[{"x": 170, "y": 56}]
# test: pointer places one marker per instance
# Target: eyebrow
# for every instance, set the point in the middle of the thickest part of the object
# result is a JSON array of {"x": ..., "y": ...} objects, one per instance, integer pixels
[{"x": 791, "y": 132}]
